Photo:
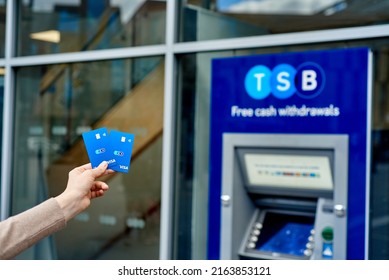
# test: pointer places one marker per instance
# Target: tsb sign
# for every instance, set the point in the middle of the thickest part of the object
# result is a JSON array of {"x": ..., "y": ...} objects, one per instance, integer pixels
[{"x": 307, "y": 81}]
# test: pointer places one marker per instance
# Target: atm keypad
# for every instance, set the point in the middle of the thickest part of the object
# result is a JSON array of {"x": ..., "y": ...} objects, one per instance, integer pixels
[{"x": 256, "y": 231}]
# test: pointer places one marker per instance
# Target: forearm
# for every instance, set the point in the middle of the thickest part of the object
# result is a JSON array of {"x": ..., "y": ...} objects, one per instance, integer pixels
[{"x": 20, "y": 232}]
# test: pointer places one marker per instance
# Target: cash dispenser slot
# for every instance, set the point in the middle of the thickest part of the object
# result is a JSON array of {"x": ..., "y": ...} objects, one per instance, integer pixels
[{"x": 286, "y": 204}]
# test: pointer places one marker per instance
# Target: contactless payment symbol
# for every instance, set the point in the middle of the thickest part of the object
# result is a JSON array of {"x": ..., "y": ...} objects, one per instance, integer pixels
[{"x": 284, "y": 80}]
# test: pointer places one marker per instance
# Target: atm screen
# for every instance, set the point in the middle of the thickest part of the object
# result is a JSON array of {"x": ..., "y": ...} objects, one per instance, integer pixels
[
  {"x": 307, "y": 170},
  {"x": 285, "y": 233}
]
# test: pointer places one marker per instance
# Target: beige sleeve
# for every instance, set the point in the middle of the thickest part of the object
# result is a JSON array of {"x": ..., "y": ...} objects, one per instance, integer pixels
[{"x": 21, "y": 231}]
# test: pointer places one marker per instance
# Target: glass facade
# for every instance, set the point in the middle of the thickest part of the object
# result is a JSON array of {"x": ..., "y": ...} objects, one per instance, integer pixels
[
  {"x": 50, "y": 115},
  {"x": 145, "y": 67},
  {"x": 48, "y": 27},
  {"x": 1, "y": 114},
  {"x": 3, "y": 8},
  {"x": 240, "y": 18}
]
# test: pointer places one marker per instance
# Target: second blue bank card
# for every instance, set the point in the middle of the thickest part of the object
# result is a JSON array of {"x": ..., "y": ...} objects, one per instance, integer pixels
[{"x": 121, "y": 144}]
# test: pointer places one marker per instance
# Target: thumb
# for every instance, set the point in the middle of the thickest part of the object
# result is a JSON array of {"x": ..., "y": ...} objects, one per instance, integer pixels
[{"x": 99, "y": 170}]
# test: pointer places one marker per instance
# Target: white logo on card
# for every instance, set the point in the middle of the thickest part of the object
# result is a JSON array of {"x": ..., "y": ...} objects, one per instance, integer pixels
[
  {"x": 98, "y": 136},
  {"x": 123, "y": 139}
]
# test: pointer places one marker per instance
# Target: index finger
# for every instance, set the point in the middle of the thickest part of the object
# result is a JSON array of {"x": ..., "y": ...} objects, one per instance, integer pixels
[{"x": 86, "y": 166}]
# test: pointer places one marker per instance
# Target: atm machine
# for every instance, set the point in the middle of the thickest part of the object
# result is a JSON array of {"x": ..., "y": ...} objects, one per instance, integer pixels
[{"x": 284, "y": 196}]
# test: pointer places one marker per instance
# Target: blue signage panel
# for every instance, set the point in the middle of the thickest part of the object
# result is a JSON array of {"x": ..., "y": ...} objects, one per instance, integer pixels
[{"x": 320, "y": 92}]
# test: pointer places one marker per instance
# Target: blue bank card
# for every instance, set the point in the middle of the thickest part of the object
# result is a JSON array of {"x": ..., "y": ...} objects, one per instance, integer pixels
[
  {"x": 121, "y": 148},
  {"x": 97, "y": 145}
]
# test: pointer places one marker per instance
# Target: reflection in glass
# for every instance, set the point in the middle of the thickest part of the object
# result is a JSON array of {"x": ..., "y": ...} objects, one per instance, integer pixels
[
  {"x": 239, "y": 18},
  {"x": 54, "y": 105},
  {"x": 286, "y": 7},
  {"x": 59, "y": 26}
]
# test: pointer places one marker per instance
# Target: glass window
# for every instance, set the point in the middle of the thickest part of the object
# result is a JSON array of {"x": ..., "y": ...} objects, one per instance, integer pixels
[
  {"x": 239, "y": 18},
  {"x": 192, "y": 201},
  {"x": 3, "y": 9},
  {"x": 1, "y": 115},
  {"x": 47, "y": 27},
  {"x": 54, "y": 105}
]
